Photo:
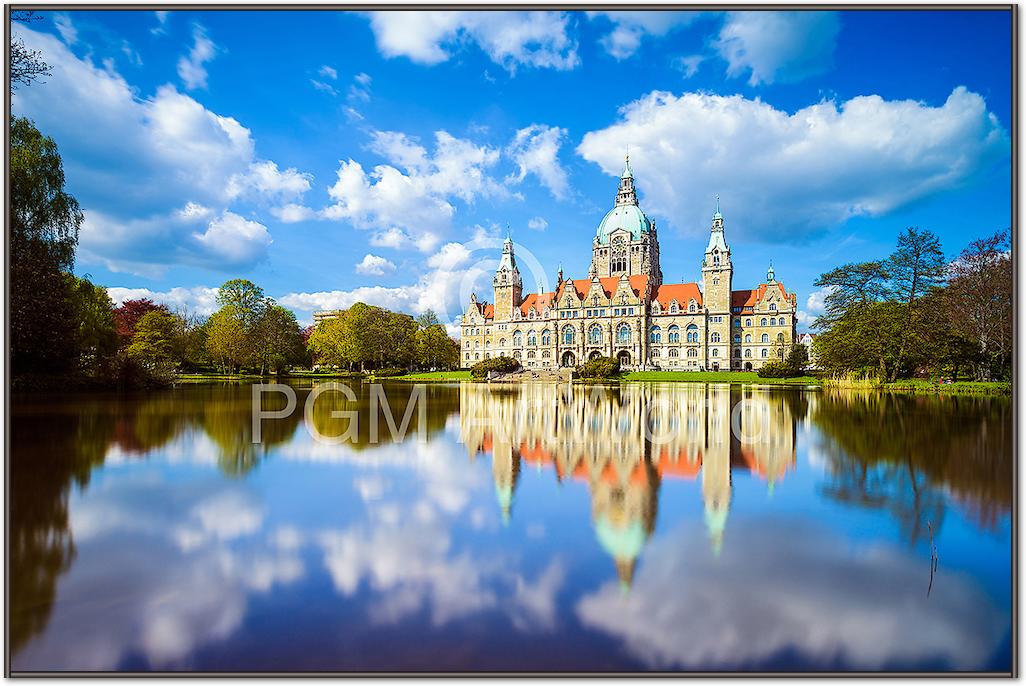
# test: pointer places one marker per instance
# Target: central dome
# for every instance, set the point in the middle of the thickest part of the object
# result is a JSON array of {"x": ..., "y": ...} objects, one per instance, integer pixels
[{"x": 627, "y": 217}]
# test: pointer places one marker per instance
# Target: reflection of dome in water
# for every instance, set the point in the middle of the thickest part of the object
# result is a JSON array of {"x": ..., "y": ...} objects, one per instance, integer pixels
[
  {"x": 716, "y": 523},
  {"x": 624, "y": 544},
  {"x": 504, "y": 494}
]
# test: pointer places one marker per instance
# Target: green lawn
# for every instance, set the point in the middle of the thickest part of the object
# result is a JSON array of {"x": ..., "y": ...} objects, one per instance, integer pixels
[
  {"x": 716, "y": 377},
  {"x": 460, "y": 375}
]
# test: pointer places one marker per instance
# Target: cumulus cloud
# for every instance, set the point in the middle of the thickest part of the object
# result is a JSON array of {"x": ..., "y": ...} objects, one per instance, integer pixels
[
  {"x": 510, "y": 39},
  {"x": 148, "y": 165},
  {"x": 233, "y": 240},
  {"x": 537, "y": 224},
  {"x": 778, "y": 46},
  {"x": 407, "y": 203},
  {"x": 372, "y": 265},
  {"x": 535, "y": 149},
  {"x": 833, "y": 605},
  {"x": 629, "y": 28},
  {"x": 784, "y": 176},
  {"x": 192, "y": 66},
  {"x": 815, "y": 305},
  {"x": 455, "y": 271},
  {"x": 201, "y": 300},
  {"x": 64, "y": 27}
]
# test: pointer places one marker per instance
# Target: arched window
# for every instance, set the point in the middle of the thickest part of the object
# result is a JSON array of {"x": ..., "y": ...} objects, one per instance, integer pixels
[
  {"x": 765, "y": 353},
  {"x": 477, "y": 356},
  {"x": 716, "y": 259},
  {"x": 518, "y": 339},
  {"x": 532, "y": 339},
  {"x": 748, "y": 338},
  {"x": 516, "y": 354},
  {"x": 568, "y": 335},
  {"x": 773, "y": 321},
  {"x": 467, "y": 344},
  {"x": 692, "y": 352},
  {"x": 748, "y": 353},
  {"x": 623, "y": 334},
  {"x": 715, "y": 352},
  {"x": 773, "y": 307},
  {"x": 488, "y": 356},
  {"x": 692, "y": 307},
  {"x": 780, "y": 338},
  {"x": 673, "y": 307},
  {"x": 764, "y": 321},
  {"x": 546, "y": 337},
  {"x": 488, "y": 344},
  {"x": 477, "y": 344},
  {"x": 737, "y": 338},
  {"x": 737, "y": 323},
  {"x": 654, "y": 353},
  {"x": 715, "y": 337},
  {"x": 468, "y": 356},
  {"x": 692, "y": 333},
  {"x": 502, "y": 342},
  {"x": 673, "y": 334},
  {"x": 530, "y": 354},
  {"x": 737, "y": 352},
  {"x": 595, "y": 334},
  {"x": 765, "y": 338},
  {"x": 655, "y": 307},
  {"x": 748, "y": 322},
  {"x": 655, "y": 335},
  {"x": 674, "y": 352},
  {"x": 545, "y": 354},
  {"x": 716, "y": 281},
  {"x": 782, "y": 321}
]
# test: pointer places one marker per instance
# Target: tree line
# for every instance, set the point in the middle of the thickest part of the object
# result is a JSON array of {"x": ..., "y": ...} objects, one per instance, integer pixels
[
  {"x": 917, "y": 314},
  {"x": 366, "y": 337}
]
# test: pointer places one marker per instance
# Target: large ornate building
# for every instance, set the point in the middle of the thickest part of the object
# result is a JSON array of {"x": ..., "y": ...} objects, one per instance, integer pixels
[{"x": 624, "y": 310}]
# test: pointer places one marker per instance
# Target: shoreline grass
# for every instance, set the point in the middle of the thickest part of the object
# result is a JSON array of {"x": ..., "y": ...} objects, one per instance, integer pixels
[
  {"x": 746, "y": 378},
  {"x": 457, "y": 375}
]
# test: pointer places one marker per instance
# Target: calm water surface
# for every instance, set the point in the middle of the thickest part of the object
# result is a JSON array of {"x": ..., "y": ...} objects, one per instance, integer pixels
[{"x": 512, "y": 528}]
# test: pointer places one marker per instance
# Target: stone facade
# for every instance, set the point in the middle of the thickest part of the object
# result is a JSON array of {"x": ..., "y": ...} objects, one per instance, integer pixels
[{"x": 624, "y": 310}]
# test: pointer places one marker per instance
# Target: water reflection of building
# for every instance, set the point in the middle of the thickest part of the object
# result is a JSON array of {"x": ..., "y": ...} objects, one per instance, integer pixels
[{"x": 624, "y": 441}]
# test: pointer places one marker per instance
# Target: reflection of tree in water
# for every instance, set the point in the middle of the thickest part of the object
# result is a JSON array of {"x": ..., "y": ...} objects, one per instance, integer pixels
[
  {"x": 49, "y": 452},
  {"x": 441, "y": 402},
  {"x": 904, "y": 453}
]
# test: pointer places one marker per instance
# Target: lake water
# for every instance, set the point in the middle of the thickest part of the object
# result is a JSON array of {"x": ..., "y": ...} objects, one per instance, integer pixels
[{"x": 643, "y": 527}]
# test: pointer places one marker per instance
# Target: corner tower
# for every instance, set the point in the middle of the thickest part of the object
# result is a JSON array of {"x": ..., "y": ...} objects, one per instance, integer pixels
[
  {"x": 626, "y": 241},
  {"x": 507, "y": 284}
]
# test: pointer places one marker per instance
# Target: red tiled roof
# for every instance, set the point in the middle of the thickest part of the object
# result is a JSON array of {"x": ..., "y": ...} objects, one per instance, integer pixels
[
  {"x": 683, "y": 293},
  {"x": 537, "y": 301},
  {"x": 638, "y": 283},
  {"x": 751, "y": 298},
  {"x": 489, "y": 311}
]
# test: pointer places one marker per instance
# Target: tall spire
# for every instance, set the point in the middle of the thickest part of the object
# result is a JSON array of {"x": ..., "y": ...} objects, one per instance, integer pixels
[
  {"x": 716, "y": 214},
  {"x": 625, "y": 193},
  {"x": 770, "y": 276}
]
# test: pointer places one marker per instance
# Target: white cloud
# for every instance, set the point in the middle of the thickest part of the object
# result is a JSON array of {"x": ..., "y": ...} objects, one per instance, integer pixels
[
  {"x": 363, "y": 79},
  {"x": 537, "y": 224},
  {"x": 783, "y": 176},
  {"x": 200, "y": 300},
  {"x": 267, "y": 181},
  {"x": 191, "y": 67},
  {"x": 290, "y": 213},
  {"x": 778, "y": 46},
  {"x": 161, "y": 27},
  {"x": 535, "y": 149},
  {"x": 689, "y": 65},
  {"x": 328, "y": 72},
  {"x": 510, "y": 39},
  {"x": 233, "y": 240},
  {"x": 323, "y": 87},
  {"x": 64, "y": 27},
  {"x": 148, "y": 164},
  {"x": 815, "y": 305},
  {"x": 372, "y": 265},
  {"x": 849, "y": 609},
  {"x": 410, "y": 203},
  {"x": 629, "y": 28}
]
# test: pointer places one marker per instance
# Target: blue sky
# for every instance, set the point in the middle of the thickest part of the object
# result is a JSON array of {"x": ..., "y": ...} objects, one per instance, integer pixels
[{"x": 333, "y": 157}]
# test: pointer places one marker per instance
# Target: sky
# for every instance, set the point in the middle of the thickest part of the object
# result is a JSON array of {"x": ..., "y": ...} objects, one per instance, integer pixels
[{"x": 333, "y": 157}]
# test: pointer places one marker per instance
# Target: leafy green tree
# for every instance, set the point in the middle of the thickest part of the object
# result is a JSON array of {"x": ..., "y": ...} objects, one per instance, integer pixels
[
  {"x": 278, "y": 339},
  {"x": 157, "y": 340},
  {"x": 226, "y": 338},
  {"x": 435, "y": 349},
  {"x": 915, "y": 268},
  {"x": 326, "y": 343},
  {"x": 44, "y": 225},
  {"x": 246, "y": 297},
  {"x": 96, "y": 337},
  {"x": 429, "y": 318},
  {"x": 851, "y": 285}
]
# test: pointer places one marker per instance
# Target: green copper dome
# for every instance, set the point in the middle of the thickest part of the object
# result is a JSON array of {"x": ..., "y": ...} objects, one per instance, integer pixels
[{"x": 629, "y": 217}]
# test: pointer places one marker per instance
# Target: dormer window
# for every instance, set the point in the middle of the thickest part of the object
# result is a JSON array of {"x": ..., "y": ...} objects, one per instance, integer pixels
[
  {"x": 692, "y": 307},
  {"x": 673, "y": 307}
]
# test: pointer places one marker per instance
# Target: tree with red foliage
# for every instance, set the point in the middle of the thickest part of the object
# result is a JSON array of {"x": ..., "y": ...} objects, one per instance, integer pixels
[{"x": 127, "y": 316}]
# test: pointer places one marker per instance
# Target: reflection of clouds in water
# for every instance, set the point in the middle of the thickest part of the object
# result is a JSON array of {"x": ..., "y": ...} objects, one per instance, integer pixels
[
  {"x": 867, "y": 610},
  {"x": 410, "y": 562},
  {"x": 184, "y": 561}
]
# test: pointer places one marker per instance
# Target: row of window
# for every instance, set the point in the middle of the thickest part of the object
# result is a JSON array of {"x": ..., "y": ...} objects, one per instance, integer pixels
[{"x": 625, "y": 311}]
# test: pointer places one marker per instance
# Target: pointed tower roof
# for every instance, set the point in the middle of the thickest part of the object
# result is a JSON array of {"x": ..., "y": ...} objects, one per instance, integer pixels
[
  {"x": 770, "y": 274},
  {"x": 627, "y": 173},
  {"x": 716, "y": 239}
]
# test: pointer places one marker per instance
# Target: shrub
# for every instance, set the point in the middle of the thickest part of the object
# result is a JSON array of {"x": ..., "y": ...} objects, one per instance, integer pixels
[
  {"x": 775, "y": 370},
  {"x": 479, "y": 370},
  {"x": 389, "y": 371},
  {"x": 599, "y": 368}
]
